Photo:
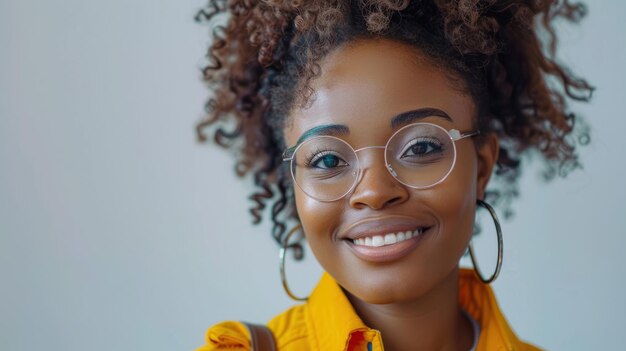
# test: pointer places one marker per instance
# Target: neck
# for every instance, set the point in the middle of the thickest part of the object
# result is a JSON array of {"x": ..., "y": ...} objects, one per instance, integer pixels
[{"x": 432, "y": 322}]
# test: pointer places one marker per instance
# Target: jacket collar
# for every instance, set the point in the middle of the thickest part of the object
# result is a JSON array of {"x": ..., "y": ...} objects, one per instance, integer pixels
[
  {"x": 333, "y": 320},
  {"x": 480, "y": 302}
]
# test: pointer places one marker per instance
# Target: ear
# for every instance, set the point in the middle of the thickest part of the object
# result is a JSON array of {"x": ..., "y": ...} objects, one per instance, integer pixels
[{"x": 487, "y": 151}]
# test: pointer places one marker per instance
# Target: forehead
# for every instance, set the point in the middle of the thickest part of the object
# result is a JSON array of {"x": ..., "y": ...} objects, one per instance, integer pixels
[{"x": 365, "y": 84}]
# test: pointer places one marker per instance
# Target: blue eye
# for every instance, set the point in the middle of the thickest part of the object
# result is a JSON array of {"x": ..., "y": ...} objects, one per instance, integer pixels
[
  {"x": 326, "y": 160},
  {"x": 329, "y": 161}
]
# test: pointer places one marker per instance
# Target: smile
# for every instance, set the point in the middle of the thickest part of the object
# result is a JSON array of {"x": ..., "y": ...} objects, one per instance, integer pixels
[
  {"x": 384, "y": 239},
  {"x": 387, "y": 239},
  {"x": 386, "y": 248}
]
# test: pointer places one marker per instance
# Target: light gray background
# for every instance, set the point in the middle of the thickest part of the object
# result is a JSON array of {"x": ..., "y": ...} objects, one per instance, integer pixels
[{"x": 119, "y": 232}]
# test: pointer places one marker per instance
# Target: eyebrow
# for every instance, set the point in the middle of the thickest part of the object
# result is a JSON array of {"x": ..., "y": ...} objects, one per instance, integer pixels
[
  {"x": 399, "y": 120},
  {"x": 409, "y": 117},
  {"x": 325, "y": 129}
]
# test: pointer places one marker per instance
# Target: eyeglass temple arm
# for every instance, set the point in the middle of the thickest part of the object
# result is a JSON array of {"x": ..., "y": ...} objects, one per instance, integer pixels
[
  {"x": 456, "y": 135},
  {"x": 288, "y": 154}
]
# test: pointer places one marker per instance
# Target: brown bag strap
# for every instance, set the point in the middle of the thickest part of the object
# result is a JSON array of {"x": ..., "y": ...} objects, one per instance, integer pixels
[{"x": 261, "y": 337}]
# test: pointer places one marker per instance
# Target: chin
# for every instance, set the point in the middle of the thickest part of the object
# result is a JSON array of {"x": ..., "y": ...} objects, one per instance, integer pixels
[{"x": 385, "y": 287}]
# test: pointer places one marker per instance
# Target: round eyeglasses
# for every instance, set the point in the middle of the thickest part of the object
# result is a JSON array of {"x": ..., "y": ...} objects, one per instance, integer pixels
[{"x": 419, "y": 155}]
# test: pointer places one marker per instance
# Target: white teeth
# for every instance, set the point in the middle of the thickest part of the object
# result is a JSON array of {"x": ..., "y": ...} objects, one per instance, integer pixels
[
  {"x": 378, "y": 241},
  {"x": 387, "y": 239},
  {"x": 390, "y": 239}
]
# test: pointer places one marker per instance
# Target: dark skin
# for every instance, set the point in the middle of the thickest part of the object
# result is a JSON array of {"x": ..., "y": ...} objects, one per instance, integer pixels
[{"x": 411, "y": 300}]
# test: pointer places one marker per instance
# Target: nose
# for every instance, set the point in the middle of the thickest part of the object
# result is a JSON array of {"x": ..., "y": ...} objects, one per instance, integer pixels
[{"x": 376, "y": 187}]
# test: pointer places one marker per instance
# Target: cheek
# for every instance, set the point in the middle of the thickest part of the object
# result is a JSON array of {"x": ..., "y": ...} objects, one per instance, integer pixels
[
  {"x": 454, "y": 201},
  {"x": 319, "y": 221}
]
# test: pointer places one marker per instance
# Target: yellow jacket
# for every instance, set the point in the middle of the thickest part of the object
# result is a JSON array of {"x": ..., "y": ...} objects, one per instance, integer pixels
[{"x": 327, "y": 322}]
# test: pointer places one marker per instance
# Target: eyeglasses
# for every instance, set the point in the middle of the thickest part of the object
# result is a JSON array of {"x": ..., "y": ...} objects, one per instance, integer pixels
[{"x": 419, "y": 155}]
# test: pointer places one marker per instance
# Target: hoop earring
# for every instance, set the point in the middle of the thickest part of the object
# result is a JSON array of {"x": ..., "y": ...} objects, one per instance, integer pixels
[
  {"x": 495, "y": 274},
  {"x": 281, "y": 263}
]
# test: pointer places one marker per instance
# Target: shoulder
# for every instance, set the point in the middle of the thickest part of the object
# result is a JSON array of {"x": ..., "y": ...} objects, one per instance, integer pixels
[
  {"x": 231, "y": 335},
  {"x": 289, "y": 329}
]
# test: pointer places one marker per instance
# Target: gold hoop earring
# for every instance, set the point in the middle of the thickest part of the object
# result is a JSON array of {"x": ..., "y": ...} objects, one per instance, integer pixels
[
  {"x": 496, "y": 222},
  {"x": 281, "y": 263}
]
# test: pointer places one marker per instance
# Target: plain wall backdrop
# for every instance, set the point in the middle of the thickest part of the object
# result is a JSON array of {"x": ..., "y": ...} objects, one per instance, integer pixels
[{"x": 119, "y": 232}]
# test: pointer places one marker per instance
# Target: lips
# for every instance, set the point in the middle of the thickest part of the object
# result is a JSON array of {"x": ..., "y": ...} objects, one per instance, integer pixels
[{"x": 384, "y": 239}]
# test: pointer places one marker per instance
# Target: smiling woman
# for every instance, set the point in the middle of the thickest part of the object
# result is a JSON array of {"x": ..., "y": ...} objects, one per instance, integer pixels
[{"x": 375, "y": 127}]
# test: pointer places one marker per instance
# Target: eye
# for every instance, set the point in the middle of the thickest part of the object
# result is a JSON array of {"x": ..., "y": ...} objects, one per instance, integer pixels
[
  {"x": 422, "y": 147},
  {"x": 326, "y": 160}
]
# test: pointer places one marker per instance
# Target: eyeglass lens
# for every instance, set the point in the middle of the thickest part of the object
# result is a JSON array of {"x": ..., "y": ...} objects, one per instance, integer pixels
[{"x": 419, "y": 156}]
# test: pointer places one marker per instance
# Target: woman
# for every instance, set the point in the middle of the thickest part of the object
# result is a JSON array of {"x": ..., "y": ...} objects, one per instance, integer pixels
[{"x": 373, "y": 129}]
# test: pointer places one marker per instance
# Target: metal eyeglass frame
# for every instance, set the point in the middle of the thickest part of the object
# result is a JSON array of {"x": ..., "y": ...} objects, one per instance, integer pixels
[{"x": 453, "y": 134}]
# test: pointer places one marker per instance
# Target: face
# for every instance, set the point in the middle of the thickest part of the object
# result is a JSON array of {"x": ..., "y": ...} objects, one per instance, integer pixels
[{"x": 363, "y": 87}]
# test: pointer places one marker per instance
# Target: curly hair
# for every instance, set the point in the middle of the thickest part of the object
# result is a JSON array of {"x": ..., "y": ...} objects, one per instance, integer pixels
[{"x": 264, "y": 55}]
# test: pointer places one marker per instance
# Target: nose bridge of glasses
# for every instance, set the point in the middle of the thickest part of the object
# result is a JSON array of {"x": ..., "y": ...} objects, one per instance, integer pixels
[
  {"x": 370, "y": 147},
  {"x": 364, "y": 149},
  {"x": 362, "y": 165}
]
